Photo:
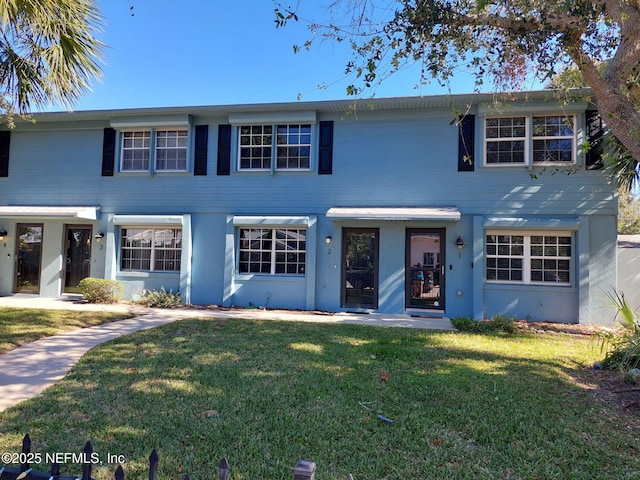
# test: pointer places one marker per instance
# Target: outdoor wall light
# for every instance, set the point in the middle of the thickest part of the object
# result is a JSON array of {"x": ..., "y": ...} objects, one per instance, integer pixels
[
  {"x": 460, "y": 243},
  {"x": 328, "y": 240},
  {"x": 3, "y": 233},
  {"x": 99, "y": 236}
]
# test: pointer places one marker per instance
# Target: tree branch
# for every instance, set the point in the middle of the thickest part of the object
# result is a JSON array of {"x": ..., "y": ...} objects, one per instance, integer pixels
[{"x": 555, "y": 22}]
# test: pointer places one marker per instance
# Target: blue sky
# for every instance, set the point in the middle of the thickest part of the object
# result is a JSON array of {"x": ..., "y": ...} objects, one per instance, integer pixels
[{"x": 204, "y": 52}]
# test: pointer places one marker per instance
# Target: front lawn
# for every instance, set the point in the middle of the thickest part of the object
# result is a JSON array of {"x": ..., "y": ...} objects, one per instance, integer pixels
[
  {"x": 23, "y": 325},
  {"x": 267, "y": 394}
]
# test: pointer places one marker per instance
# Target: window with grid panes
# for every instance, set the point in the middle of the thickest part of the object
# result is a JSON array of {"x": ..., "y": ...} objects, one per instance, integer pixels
[
  {"x": 293, "y": 147},
  {"x": 288, "y": 144},
  {"x": 135, "y": 151},
  {"x": 169, "y": 152},
  {"x": 272, "y": 251},
  {"x": 534, "y": 139},
  {"x": 553, "y": 139},
  {"x": 505, "y": 255},
  {"x": 530, "y": 258},
  {"x": 550, "y": 258},
  {"x": 255, "y": 147},
  {"x": 506, "y": 140},
  {"x": 150, "y": 249}
]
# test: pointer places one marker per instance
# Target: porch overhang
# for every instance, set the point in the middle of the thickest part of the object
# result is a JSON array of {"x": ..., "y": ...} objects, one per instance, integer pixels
[
  {"x": 20, "y": 211},
  {"x": 410, "y": 214}
]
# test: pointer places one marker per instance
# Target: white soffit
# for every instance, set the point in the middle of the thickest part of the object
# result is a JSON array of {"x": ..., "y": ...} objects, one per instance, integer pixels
[
  {"x": 88, "y": 213},
  {"x": 442, "y": 214}
]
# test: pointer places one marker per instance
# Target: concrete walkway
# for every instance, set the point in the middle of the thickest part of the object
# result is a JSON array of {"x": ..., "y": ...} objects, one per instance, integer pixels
[{"x": 29, "y": 369}]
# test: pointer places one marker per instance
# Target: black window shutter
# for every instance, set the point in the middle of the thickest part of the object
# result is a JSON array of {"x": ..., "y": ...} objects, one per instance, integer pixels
[
  {"x": 201, "y": 149},
  {"x": 595, "y": 136},
  {"x": 108, "y": 152},
  {"x": 325, "y": 153},
  {"x": 466, "y": 139},
  {"x": 224, "y": 149},
  {"x": 5, "y": 143}
]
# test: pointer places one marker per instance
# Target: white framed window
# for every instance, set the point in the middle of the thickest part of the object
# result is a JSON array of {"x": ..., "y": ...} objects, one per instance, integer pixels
[
  {"x": 293, "y": 147},
  {"x": 553, "y": 139},
  {"x": 283, "y": 146},
  {"x": 506, "y": 140},
  {"x": 166, "y": 149},
  {"x": 150, "y": 249},
  {"x": 530, "y": 140},
  {"x": 135, "y": 151},
  {"x": 272, "y": 251},
  {"x": 255, "y": 147},
  {"x": 171, "y": 150},
  {"x": 530, "y": 258}
]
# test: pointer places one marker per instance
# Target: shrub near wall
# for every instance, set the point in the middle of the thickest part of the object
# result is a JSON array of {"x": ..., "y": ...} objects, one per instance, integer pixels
[
  {"x": 160, "y": 299},
  {"x": 100, "y": 290}
]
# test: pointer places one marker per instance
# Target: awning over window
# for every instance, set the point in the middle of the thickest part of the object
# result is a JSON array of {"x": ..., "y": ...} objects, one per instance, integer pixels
[
  {"x": 148, "y": 220},
  {"x": 440, "y": 214},
  {"x": 88, "y": 213},
  {"x": 531, "y": 223}
]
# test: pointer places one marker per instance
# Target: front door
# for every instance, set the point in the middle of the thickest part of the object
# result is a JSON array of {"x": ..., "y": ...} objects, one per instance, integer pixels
[
  {"x": 28, "y": 258},
  {"x": 360, "y": 267},
  {"x": 424, "y": 267},
  {"x": 78, "y": 256}
]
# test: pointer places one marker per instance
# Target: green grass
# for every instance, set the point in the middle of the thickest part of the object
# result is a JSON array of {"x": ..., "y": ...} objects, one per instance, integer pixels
[
  {"x": 267, "y": 394},
  {"x": 22, "y": 325}
]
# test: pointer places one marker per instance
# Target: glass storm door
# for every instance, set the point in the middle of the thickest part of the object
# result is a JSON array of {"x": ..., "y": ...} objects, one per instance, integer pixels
[
  {"x": 28, "y": 258},
  {"x": 425, "y": 271},
  {"x": 360, "y": 267},
  {"x": 78, "y": 256}
]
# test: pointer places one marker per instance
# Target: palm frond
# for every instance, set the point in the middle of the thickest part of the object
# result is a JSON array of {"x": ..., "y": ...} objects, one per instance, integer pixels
[{"x": 49, "y": 51}]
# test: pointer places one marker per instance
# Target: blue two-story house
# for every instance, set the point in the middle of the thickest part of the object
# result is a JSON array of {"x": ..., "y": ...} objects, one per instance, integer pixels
[{"x": 443, "y": 205}]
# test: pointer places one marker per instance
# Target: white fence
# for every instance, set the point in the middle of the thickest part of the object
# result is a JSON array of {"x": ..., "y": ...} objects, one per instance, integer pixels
[{"x": 629, "y": 268}]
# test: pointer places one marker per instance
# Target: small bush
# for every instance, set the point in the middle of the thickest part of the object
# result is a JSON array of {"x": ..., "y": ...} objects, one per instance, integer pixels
[
  {"x": 502, "y": 323},
  {"x": 499, "y": 323},
  {"x": 622, "y": 347},
  {"x": 160, "y": 299},
  {"x": 100, "y": 290},
  {"x": 465, "y": 324}
]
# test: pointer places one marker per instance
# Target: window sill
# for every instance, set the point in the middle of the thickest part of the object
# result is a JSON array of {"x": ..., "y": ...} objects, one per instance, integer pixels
[
  {"x": 245, "y": 277},
  {"x": 505, "y": 165},
  {"x": 542, "y": 287},
  {"x": 160, "y": 173},
  {"x": 554, "y": 164},
  {"x": 534, "y": 165},
  {"x": 276, "y": 172},
  {"x": 140, "y": 274}
]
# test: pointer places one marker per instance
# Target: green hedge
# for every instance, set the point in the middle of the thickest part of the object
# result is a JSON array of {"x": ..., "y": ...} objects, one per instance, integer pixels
[{"x": 100, "y": 290}]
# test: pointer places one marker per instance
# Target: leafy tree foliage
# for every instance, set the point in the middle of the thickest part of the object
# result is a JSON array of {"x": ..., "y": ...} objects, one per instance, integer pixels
[
  {"x": 501, "y": 40},
  {"x": 49, "y": 52},
  {"x": 628, "y": 214},
  {"x": 618, "y": 160}
]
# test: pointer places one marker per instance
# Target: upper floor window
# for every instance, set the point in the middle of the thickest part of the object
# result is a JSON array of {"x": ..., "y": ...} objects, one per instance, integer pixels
[
  {"x": 288, "y": 145},
  {"x": 506, "y": 140},
  {"x": 135, "y": 151},
  {"x": 149, "y": 249},
  {"x": 553, "y": 139},
  {"x": 171, "y": 150},
  {"x": 524, "y": 140},
  {"x": 167, "y": 149},
  {"x": 537, "y": 258}
]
